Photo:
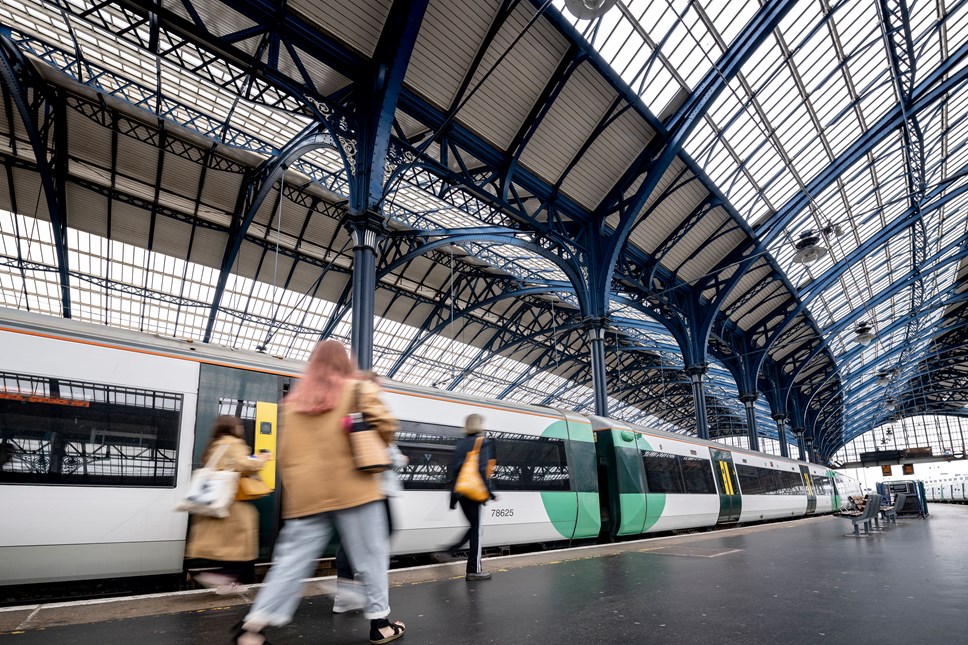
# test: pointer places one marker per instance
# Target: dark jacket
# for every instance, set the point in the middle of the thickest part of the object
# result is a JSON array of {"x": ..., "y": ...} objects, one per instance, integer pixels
[{"x": 465, "y": 445}]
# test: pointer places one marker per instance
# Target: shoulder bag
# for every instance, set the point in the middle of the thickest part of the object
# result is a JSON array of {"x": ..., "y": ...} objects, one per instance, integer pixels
[
  {"x": 251, "y": 487},
  {"x": 211, "y": 491},
  {"x": 469, "y": 483},
  {"x": 369, "y": 450}
]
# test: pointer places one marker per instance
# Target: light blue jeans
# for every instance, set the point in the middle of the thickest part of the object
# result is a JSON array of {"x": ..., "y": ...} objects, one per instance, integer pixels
[{"x": 363, "y": 530}]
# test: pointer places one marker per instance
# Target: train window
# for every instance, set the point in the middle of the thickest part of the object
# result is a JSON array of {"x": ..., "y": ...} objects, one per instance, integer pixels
[
  {"x": 528, "y": 462},
  {"x": 821, "y": 485},
  {"x": 524, "y": 462},
  {"x": 789, "y": 483},
  {"x": 70, "y": 432},
  {"x": 749, "y": 480},
  {"x": 430, "y": 449},
  {"x": 697, "y": 475},
  {"x": 662, "y": 472}
]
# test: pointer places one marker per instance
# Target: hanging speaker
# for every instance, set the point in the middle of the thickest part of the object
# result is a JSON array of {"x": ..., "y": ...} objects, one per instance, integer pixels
[{"x": 589, "y": 9}]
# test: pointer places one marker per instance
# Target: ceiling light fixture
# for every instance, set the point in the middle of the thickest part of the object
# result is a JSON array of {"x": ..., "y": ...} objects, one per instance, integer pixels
[
  {"x": 863, "y": 334},
  {"x": 589, "y": 9},
  {"x": 809, "y": 249}
]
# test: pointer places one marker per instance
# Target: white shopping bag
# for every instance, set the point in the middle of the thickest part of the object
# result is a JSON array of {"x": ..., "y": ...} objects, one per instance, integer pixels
[{"x": 211, "y": 491}]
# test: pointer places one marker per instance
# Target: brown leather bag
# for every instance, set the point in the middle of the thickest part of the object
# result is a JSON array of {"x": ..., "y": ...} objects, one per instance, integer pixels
[{"x": 370, "y": 452}]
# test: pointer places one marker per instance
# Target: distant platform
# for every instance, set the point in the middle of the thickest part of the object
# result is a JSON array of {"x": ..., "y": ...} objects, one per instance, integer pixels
[{"x": 802, "y": 581}]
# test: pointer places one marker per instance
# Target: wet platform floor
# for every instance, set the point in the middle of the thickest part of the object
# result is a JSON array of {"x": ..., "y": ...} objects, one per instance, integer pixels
[{"x": 792, "y": 582}]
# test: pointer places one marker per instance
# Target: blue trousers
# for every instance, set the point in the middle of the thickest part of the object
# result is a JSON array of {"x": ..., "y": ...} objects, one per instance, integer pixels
[{"x": 364, "y": 533}]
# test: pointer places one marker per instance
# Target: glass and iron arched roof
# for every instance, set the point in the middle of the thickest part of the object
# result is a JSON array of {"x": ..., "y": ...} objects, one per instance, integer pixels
[{"x": 185, "y": 168}]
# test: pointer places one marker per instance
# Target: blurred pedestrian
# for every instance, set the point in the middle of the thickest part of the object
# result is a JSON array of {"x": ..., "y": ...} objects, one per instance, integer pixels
[
  {"x": 322, "y": 489},
  {"x": 349, "y": 596},
  {"x": 487, "y": 458},
  {"x": 231, "y": 542}
]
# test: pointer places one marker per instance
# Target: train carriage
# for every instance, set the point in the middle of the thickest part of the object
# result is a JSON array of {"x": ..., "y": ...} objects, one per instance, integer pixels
[{"x": 105, "y": 425}]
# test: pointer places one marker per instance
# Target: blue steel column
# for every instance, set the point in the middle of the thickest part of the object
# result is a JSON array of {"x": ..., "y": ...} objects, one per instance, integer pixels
[
  {"x": 749, "y": 402},
  {"x": 808, "y": 447},
  {"x": 367, "y": 231},
  {"x": 596, "y": 346},
  {"x": 798, "y": 431},
  {"x": 781, "y": 434},
  {"x": 695, "y": 373}
]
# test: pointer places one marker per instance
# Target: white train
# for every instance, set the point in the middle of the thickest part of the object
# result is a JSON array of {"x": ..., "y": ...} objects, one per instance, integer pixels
[
  {"x": 99, "y": 429},
  {"x": 949, "y": 488}
]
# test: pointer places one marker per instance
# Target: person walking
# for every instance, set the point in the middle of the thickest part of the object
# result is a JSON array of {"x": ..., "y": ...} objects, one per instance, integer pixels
[
  {"x": 487, "y": 458},
  {"x": 232, "y": 542},
  {"x": 348, "y": 596},
  {"x": 322, "y": 489}
]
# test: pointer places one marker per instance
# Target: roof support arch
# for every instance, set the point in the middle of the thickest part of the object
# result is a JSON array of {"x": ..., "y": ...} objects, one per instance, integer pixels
[
  {"x": 251, "y": 197},
  {"x": 17, "y": 75}
]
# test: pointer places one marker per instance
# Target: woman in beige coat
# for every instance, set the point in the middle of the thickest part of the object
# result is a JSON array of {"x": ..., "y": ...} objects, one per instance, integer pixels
[
  {"x": 231, "y": 541},
  {"x": 322, "y": 489}
]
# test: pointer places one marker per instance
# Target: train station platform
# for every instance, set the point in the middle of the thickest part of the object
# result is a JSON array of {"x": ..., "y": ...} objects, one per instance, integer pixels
[{"x": 793, "y": 582}]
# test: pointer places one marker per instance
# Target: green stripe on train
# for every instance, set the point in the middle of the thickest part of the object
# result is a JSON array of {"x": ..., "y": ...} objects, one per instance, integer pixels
[
  {"x": 574, "y": 514},
  {"x": 632, "y": 507},
  {"x": 561, "y": 509},
  {"x": 655, "y": 503}
]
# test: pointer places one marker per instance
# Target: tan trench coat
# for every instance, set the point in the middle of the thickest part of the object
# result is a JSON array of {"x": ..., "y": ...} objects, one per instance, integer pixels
[
  {"x": 315, "y": 459},
  {"x": 234, "y": 538}
]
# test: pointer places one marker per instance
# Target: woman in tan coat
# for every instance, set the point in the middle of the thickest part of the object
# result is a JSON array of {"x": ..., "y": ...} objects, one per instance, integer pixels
[
  {"x": 322, "y": 489},
  {"x": 232, "y": 541}
]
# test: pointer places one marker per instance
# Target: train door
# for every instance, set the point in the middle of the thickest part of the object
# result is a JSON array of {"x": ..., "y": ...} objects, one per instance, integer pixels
[
  {"x": 585, "y": 483},
  {"x": 811, "y": 493},
  {"x": 253, "y": 397},
  {"x": 730, "y": 502}
]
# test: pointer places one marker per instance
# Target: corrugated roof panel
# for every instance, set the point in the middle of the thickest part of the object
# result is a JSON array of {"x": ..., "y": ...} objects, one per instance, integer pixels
[
  {"x": 792, "y": 341},
  {"x": 219, "y": 18},
  {"x": 410, "y": 126},
  {"x": 266, "y": 212},
  {"x": 304, "y": 278},
  {"x": 27, "y": 188},
  {"x": 172, "y": 237},
  {"x": 670, "y": 213},
  {"x": 275, "y": 270},
  {"x": 449, "y": 38},
  {"x": 90, "y": 138},
  {"x": 358, "y": 24},
  {"x": 137, "y": 159},
  {"x": 332, "y": 287},
  {"x": 770, "y": 299},
  {"x": 130, "y": 224},
  {"x": 320, "y": 231},
  {"x": 697, "y": 236},
  {"x": 88, "y": 210},
  {"x": 498, "y": 108},
  {"x": 750, "y": 279},
  {"x": 248, "y": 261},
  {"x": 576, "y": 111},
  {"x": 326, "y": 79},
  {"x": 612, "y": 152},
  {"x": 710, "y": 253},
  {"x": 181, "y": 174},
  {"x": 221, "y": 189},
  {"x": 208, "y": 247}
]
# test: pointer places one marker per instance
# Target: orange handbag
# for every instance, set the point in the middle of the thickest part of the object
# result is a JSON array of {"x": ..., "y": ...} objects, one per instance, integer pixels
[{"x": 469, "y": 483}]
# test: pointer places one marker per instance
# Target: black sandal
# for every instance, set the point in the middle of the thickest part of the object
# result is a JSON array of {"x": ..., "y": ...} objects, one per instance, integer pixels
[
  {"x": 239, "y": 631},
  {"x": 377, "y": 637}
]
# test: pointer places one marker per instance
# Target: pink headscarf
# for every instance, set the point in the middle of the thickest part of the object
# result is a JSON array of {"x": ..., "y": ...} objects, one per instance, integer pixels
[{"x": 320, "y": 388}]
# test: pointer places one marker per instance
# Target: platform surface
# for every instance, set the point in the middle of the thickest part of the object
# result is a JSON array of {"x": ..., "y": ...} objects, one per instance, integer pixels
[{"x": 792, "y": 582}]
